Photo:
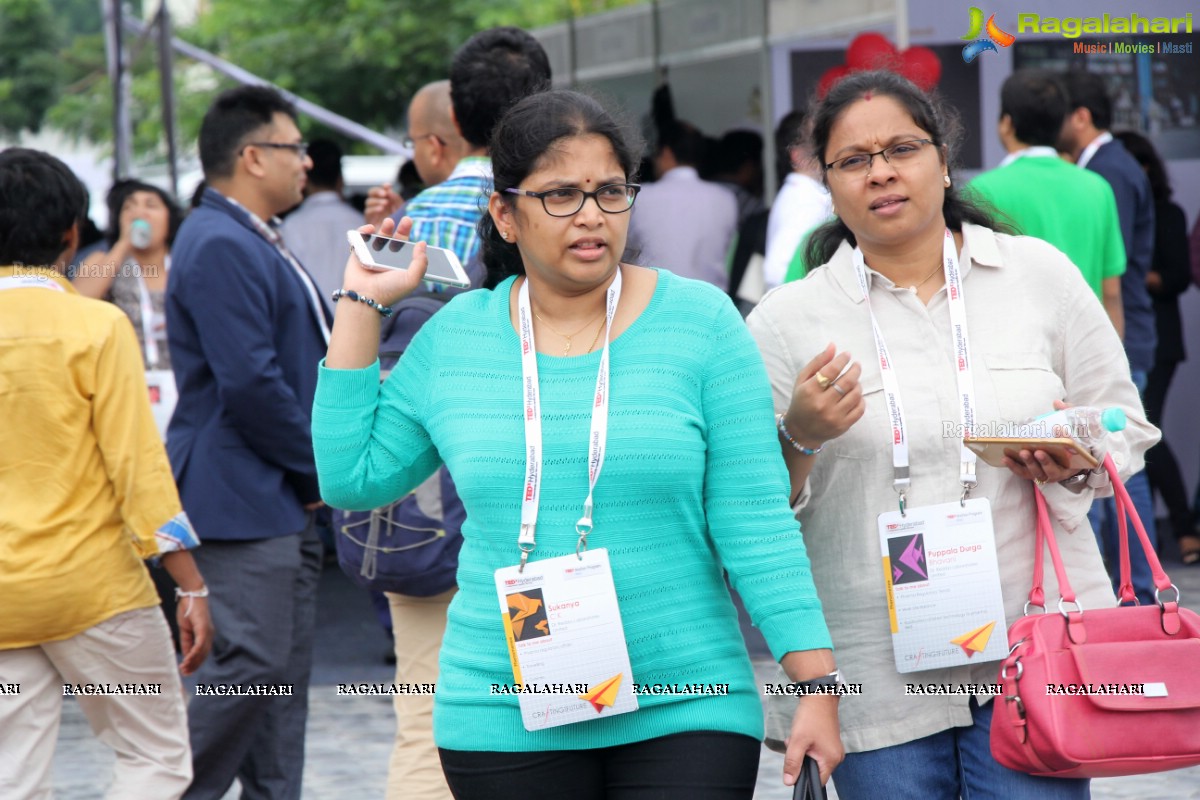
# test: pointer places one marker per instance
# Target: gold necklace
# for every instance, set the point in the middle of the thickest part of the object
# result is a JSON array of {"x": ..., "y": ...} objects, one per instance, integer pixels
[
  {"x": 596, "y": 338},
  {"x": 568, "y": 337},
  {"x": 914, "y": 288}
]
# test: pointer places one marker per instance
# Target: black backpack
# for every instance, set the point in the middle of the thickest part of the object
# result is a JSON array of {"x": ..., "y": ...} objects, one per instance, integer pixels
[{"x": 411, "y": 546}]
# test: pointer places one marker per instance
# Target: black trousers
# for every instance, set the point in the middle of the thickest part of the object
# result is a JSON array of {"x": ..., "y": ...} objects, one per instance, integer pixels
[
  {"x": 700, "y": 765},
  {"x": 1161, "y": 467}
]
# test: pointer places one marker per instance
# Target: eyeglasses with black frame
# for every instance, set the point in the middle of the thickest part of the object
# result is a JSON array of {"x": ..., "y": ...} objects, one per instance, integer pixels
[
  {"x": 612, "y": 198},
  {"x": 299, "y": 148},
  {"x": 861, "y": 162}
]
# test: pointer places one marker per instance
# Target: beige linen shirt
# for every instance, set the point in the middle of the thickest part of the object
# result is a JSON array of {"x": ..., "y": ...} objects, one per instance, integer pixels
[{"x": 1037, "y": 334}]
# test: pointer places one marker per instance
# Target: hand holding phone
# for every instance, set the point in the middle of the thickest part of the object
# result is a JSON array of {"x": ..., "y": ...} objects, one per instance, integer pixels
[
  {"x": 386, "y": 286},
  {"x": 1066, "y": 452},
  {"x": 376, "y": 251}
]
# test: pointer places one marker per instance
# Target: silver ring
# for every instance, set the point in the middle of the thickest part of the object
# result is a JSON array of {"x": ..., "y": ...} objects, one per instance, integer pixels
[{"x": 837, "y": 389}]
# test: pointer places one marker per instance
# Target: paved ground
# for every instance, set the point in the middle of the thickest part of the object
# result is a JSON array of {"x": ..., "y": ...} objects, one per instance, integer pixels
[{"x": 349, "y": 738}]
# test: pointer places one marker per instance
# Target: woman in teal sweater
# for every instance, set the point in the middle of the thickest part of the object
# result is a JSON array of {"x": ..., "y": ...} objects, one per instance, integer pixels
[{"x": 686, "y": 482}]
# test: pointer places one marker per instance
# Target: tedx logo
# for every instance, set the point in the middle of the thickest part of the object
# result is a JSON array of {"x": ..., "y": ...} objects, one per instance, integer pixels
[{"x": 978, "y": 45}]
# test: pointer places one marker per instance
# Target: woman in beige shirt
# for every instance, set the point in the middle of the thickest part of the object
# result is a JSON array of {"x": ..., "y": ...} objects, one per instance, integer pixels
[{"x": 1038, "y": 337}]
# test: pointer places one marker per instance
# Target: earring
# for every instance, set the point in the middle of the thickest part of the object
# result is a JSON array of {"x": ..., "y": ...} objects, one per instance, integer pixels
[
  {"x": 947, "y": 179},
  {"x": 504, "y": 235}
]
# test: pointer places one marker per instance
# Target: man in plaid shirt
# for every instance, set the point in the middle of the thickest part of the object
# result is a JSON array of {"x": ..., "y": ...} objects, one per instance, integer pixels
[{"x": 492, "y": 71}]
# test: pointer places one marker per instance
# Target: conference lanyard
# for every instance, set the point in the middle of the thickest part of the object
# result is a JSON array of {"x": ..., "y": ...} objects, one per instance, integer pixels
[
  {"x": 1091, "y": 149},
  {"x": 30, "y": 282},
  {"x": 272, "y": 236},
  {"x": 891, "y": 386},
  {"x": 597, "y": 437},
  {"x": 149, "y": 335}
]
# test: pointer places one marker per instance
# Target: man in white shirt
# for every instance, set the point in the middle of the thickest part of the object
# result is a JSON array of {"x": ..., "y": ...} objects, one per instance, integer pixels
[
  {"x": 681, "y": 222},
  {"x": 801, "y": 205},
  {"x": 316, "y": 231}
]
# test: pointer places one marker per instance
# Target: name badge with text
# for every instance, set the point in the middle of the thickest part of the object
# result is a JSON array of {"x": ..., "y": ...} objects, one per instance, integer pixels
[
  {"x": 565, "y": 639},
  {"x": 942, "y": 578}
]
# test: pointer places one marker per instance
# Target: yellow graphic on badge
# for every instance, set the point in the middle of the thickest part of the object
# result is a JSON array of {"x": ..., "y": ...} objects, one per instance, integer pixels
[
  {"x": 605, "y": 694},
  {"x": 975, "y": 641}
]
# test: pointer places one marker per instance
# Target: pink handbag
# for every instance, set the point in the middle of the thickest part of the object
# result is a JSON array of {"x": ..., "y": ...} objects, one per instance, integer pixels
[{"x": 1099, "y": 692}]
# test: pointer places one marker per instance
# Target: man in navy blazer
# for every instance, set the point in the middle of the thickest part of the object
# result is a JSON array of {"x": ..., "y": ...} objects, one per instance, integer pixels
[
  {"x": 246, "y": 329},
  {"x": 1088, "y": 142}
]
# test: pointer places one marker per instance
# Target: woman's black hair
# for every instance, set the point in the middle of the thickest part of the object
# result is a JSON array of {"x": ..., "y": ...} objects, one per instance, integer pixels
[
  {"x": 1143, "y": 150},
  {"x": 531, "y": 131},
  {"x": 121, "y": 191},
  {"x": 928, "y": 114}
]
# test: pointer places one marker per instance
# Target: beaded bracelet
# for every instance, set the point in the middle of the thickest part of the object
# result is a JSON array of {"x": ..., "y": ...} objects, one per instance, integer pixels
[
  {"x": 353, "y": 295},
  {"x": 806, "y": 451}
]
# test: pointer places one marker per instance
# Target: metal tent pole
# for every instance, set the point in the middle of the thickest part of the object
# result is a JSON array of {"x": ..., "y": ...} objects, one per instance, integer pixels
[
  {"x": 119, "y": 78},
  {"x": 166, "y": 73}
]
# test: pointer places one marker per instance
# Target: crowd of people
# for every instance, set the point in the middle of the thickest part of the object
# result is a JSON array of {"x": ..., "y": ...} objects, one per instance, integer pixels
[{"x": 636, "y": 405}]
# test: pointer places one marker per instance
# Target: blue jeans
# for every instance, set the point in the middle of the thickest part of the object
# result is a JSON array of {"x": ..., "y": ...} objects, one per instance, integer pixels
[
  {"x": 946, "y": 766},
  {"x": 1103, "y": 517}
]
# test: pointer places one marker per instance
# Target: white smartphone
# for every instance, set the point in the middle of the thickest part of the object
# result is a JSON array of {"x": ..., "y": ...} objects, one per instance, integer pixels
[{"x": 380, "y": 253}]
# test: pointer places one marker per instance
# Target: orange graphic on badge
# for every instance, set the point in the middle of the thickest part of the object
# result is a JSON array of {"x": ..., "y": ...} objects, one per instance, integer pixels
[
  {"x": 528, "y": 606},
  {"x": 976, "y": 640},
  {"x": 605, "y": 694}
]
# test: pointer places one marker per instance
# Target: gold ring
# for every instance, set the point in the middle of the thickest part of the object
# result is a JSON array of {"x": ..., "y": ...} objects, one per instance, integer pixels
[
  {"x": 1040, "y": 481},
  {"x": 838, "y": 389},
  {"x": 822, "y": 381}
]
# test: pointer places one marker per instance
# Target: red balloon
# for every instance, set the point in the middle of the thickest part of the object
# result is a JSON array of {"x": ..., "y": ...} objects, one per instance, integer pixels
[
  {"x": 871, "y": 51},
  {"x": 831, "y": 76},
  {"x": 921, "y": 66}
]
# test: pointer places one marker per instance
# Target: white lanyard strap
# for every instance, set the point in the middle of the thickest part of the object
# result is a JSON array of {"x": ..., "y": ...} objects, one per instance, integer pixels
[
  {"x": 598, "y": 435},
  {"x": 1091, "y": 149},
  {"x": 962, "y": 361},
  {"x": 29, "y": 282},
  {"x": 272, "y": 235},
  {"x": 891, "y": 386},
  {"x": 149, "y": 335}
]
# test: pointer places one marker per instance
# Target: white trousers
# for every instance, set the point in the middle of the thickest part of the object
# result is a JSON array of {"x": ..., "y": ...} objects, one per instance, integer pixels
[
  {"x": 418, "y": 624},
  {"x": 148, "y": 731}
]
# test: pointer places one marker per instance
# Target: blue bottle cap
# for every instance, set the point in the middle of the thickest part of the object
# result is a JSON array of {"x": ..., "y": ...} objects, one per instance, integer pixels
[{"x": 1113, "y": 419}]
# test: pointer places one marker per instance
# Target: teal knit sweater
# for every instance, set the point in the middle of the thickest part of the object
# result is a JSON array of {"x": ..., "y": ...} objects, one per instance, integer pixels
[{"x": 693, "y": 484}]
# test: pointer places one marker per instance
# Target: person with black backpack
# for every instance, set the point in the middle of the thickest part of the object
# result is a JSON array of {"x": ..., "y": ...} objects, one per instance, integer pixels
[
  {"x": 592, "y": 656},
  {"x": 409, "y": 548}
]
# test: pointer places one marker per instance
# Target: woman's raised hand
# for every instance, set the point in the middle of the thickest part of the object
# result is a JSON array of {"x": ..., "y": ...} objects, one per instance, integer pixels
[
  {"x": 827, "y": 398},
  {"x": 387, "y": 286}
]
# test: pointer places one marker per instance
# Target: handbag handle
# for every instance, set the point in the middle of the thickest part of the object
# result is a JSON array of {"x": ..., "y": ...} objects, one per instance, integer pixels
[
  {"x": 1045, "y": 538},
  {"x": 1045, "y": 534},
  {"x": 1125, "y": 508}
]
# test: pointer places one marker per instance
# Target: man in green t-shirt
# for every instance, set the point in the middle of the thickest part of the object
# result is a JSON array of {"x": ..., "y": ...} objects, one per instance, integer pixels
[{"x": 1041, "y": 195}]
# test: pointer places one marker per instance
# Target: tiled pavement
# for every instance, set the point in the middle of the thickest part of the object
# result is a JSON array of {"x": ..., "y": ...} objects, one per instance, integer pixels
[{"x": 349, "y": 738}]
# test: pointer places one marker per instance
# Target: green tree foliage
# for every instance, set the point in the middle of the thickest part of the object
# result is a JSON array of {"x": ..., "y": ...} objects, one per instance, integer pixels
[
  {"x": 363, "y": 59},
  {"x": 29, "y": 71}
]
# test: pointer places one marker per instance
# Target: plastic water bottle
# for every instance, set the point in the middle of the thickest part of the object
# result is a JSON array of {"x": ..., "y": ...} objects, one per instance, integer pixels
[
  {"x": 140, "y": 234},
  {"x": 1084, "y": 424}
]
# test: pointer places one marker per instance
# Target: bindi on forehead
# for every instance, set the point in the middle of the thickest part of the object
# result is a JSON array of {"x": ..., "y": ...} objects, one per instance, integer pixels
[{"x": 867, "y": 96}]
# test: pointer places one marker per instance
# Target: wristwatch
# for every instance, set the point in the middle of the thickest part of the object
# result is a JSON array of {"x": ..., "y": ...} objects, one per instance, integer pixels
[
  {"x": 1078, "y": 479},
  {"x": 832, "y": 679}
]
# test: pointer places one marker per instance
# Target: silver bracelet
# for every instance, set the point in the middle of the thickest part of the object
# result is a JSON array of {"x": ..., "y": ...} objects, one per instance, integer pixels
[{"x": 180, "y": 593}]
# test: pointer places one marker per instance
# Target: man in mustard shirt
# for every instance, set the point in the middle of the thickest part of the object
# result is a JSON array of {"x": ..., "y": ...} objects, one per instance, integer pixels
[{"x": 85, "y": 489}]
